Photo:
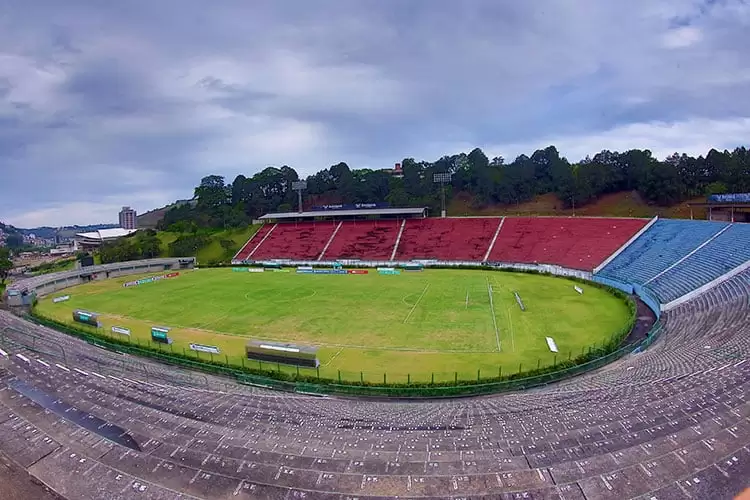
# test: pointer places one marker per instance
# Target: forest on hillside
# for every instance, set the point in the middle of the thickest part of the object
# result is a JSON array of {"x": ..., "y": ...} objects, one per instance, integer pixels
[{"x": 222, "y": 204}]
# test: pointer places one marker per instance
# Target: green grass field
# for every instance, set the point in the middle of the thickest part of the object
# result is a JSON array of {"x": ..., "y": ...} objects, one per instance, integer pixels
[{"x": 413, "y": 324}]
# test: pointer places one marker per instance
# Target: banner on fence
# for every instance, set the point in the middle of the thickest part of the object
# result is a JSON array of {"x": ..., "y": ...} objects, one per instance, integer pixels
[
  {"x": 551, "y": 344},
  {"x": 255, "y": 269},
  {"x": 150, "y": 279},
  {"x": 578, "y": 289},
  {"x": 160, "y": 334},
  {"x": 61, "y": 299},
  {"x": 120, "y": 330},
  {"x": 304, "y": 270},
  {"x": 388, "y": 270},
  {"x": 205, "y": 348},
  {"x": 356, "y": 271}
]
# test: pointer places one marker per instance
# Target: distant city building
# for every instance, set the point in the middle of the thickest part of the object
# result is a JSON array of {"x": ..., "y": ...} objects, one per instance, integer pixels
[{"x": 128, "y": 218}]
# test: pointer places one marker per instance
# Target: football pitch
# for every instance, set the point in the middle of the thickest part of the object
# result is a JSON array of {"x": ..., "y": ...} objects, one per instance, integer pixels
[{"x": 416, "y": 325}]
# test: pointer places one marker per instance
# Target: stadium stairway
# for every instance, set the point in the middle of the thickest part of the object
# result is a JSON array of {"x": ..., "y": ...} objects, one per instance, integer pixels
[
  {"x": 665, "y": 243},
  {"x": 248, "y": 249},
  {"x": 456, "y": 239},
  {"x": 365, "y": 240},
  {"x": 301, "y": 240},
  {"x": 671, "y": 422},
  {"x": 574, "y": 242}
]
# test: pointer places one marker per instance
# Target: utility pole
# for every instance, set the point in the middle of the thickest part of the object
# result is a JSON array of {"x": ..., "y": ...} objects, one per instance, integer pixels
[
  {"x": 442, "y": 178},
  {"x": 299, "y": 186}
]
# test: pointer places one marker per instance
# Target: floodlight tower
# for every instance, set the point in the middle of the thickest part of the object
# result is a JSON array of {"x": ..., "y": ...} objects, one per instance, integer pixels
[
  {"x": 299, "y": 186},
  {"x": 442, "y": 178}
]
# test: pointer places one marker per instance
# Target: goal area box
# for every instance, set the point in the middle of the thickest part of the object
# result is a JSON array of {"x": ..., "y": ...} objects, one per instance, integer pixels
[{"x": 277, "y": 352}]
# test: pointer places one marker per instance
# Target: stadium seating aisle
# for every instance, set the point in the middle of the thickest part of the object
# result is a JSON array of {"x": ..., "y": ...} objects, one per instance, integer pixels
[
  {"x": 722, "y": 254},
  {"x": 301, "y": 240},
  {"x": 458, "y": 239},
  {"x": 667, "y": 421},
  {"x": 663, "y": 244},
  {"x": 578, "y": 243},
  {"x": 364, "y": 240},
  {"x": 247, "y": 249}
]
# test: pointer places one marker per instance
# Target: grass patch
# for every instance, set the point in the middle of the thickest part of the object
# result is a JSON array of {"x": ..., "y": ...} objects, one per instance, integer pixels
[{"x": 412, "y": 327}]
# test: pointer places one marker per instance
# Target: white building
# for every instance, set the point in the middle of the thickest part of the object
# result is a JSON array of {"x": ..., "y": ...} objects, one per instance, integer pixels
[
  {"x": 96, "y": 238},
  {"x": 128, "y": 218}
]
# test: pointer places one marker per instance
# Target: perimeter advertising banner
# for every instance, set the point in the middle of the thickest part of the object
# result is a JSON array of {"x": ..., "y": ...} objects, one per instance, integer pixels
[
  {"x": 121, "y": 330},
  {"x": 205, "y": 348},
  {"x": 150, "y": 279},
  {"x": 388, "y": 270},
  {"x": 61, "y": 299}
]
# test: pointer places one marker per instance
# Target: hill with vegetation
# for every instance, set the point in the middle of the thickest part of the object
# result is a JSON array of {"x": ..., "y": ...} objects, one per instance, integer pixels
[{"x": 633, "y": 183}]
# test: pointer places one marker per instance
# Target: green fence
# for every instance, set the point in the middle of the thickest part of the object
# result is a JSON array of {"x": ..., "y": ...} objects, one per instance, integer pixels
[{"x": 301, "y": 380}]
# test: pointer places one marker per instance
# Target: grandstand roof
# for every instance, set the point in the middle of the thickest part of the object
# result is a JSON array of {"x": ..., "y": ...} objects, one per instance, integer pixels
[
  {"x": 106, "y": 234},
  {"x": 418, "y": 211}
]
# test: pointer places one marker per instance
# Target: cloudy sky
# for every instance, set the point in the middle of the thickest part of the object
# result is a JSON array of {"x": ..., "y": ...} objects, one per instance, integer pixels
[{"x": 104, "y": 104}]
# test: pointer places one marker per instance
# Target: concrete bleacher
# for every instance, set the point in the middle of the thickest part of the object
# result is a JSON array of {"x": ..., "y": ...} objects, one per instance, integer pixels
[
  {"x": 247, "y": 250},
  {"x": 456, "y": 239},
  {"x": 720, "y": 255},
  {"x": 663, "y": 244},
  {"x": 301, "y": 240},
  {"x": 665, "y": 423},
  {"x": 578, "y": 243},
  {"x": 365, "y": 240}
]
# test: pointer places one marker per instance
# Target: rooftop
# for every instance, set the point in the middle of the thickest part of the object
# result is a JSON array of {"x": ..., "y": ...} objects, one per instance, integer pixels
[{"x": 344, "y": 213}]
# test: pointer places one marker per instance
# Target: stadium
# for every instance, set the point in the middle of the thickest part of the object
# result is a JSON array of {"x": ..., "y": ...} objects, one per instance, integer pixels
[{"x": 610, "y": 356}]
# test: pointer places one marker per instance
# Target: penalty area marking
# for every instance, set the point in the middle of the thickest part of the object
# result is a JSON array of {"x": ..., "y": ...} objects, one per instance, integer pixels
[{"x": 416, "y": 303}]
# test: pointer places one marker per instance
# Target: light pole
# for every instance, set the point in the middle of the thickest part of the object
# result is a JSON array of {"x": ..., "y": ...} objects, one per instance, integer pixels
[
  {"x": 299, "y": 186},
  {"x": 442, "y": 178}
]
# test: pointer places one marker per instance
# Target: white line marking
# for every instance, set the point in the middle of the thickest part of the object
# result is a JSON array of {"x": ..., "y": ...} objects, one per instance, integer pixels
[
  {"x": 334, "y": 357},
  {"x": 43, "y": 363},
  {"x": 24, "y": 358},
  {"x": 61, "y": 367},
  {"x": 416, "y": 303},
  {"x": 97, "y": 375},
  {"x": 492, "y": 310},
  {"x": 512, "y": 337},
  {"x": 81, "y": 372},
  {"x": 131, "y": 381},
  {"x": 467, "y": 298},
  {"x": 3, "y": 353},
  {"x": 112, "y": 377}
]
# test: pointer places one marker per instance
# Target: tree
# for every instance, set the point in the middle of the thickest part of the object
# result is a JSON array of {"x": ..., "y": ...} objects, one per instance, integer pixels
[{"x": 6, "y": 264}]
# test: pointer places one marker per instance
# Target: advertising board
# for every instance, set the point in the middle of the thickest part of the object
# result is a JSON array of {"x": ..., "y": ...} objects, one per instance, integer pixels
[
  {"x": 61, "y": 299},
  {"x": 150, "y": 279},
  {"x": 121, "y": 330},
  {"x": 205, "y": 348}
]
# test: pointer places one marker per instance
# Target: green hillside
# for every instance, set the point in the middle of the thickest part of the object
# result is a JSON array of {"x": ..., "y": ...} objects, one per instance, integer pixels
[{"x": 212, "y": 247}]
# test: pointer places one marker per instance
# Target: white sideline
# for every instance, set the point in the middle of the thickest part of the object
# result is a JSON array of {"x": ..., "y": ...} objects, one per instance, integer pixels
[
  {"x": 398, "y": 239},
  {"x": 494, "y": 239},
  {"x": 81, "y": 372},
  {"x": 626, "y": 245},
  {"x": 416, "y": 303},
  {"x": 330, "y": 240},
  {"x": 492, "y": 310},
  {"x": 62, "y": 367},
  {"x": 3, "y": 353},
  {"x": 43, "y": 363},
  {"x": 689, "y": 254}
]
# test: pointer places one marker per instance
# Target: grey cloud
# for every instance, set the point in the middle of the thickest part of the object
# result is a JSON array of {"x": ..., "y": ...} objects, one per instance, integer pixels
[{"x": 132, "y": 102}]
